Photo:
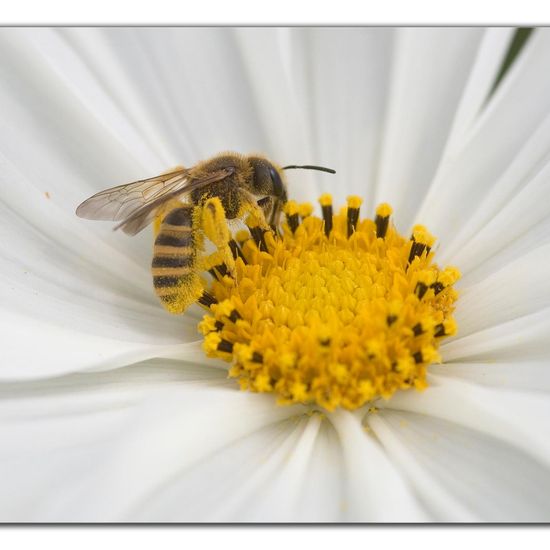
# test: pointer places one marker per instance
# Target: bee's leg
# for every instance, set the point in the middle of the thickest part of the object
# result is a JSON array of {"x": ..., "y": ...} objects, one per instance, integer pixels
[
  {"x": 267, "y": 205},
  {"x": 253, "y": 209},
  {"x": 252, "y": 213},
  {"x": 275, "y": 220},
  {"x": 272, "y": 208},
  {"x": 214, "y": 225}
]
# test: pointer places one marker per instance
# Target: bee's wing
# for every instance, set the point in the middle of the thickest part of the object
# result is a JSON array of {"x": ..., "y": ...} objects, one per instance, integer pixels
[
  {"x": 118, "y": 203},
  {"x": 135, "y": 204}
]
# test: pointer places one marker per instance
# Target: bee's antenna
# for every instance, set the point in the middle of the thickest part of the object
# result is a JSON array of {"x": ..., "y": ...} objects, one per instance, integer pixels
[{"x": 308, "y": 167}]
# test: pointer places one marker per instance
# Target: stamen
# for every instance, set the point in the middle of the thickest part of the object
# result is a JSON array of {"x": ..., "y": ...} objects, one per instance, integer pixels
[
  {"x": 437, "y": 286},
  {"x": 326, "y": 206},
  {"x": 335, "y": 311},
  {"x": 254, "y": 225},
  {"x": 258, "y": 236},
  {"x": 222, "y": 269},
  {"x": 292, "y": 212},
  {"x": 354, "y": 204},
  {"x": 383, "y": 213},
  {"x": 225, "y": 346},
  {"x": 236, "y": 250},
  {"x": 420, "y": 290},
  {"x": 305, "y": 210},
  {"x": 420, "y": 240},
  {"x": 207, "y": 299}
]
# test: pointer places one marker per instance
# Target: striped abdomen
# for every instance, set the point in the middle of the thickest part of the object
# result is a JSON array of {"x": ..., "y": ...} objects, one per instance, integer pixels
[{"x": 174, "y": 268}]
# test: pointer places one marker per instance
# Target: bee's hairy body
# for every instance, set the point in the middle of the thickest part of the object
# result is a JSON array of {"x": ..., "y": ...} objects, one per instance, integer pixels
[
  {"x": 183, "y": 202},
  {"x": 174, "y": 259},
  {"x": 176, "y": 251}
]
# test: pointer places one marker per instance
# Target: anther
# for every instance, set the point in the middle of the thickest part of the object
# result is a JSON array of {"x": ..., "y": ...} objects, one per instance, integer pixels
[
  {"x": 218, "y": 326},
  {"x": 421, "y": 240},
  {"x": 225, "y": 346},
  {"x": 416, "y": 249},
  {"x": 326, "y": 207},
  {"x": 390, "y": 319},
  {"x": 292, "y": 211},
  {"x": 219, "y": 271},
  {"x": 257, "y": 357},
  {"x": 417, "y": 329},
  {"x": 236, "y": 250},
  {"x": 293, "y": 221},
  {"x": 258, "y": 236},
  {"x": 439, "y": 330},
  {"x": 383, "y": 213},
  {"x": 437, "y": 287},
  {"x": 418, "y": 357},
  {"x": 306, "y": 210},
  {"x": 420, "y": 290},
  {"x": 354, "y": 204},
  {"x": 234, "y": 316},
  {"x": 207, "y": 299}
]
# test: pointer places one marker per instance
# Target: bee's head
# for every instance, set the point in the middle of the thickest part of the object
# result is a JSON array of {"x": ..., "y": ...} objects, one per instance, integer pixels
[
  {"x": 268, "y": 179},
  {"x": 268, "y": 182}
]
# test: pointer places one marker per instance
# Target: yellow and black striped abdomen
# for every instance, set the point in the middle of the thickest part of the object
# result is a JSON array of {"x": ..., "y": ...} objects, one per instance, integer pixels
[{"x": 174, "y": 266}]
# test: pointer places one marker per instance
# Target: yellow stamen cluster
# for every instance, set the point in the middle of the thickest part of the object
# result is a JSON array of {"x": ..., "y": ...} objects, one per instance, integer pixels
[{"x": 336, "y": 311}]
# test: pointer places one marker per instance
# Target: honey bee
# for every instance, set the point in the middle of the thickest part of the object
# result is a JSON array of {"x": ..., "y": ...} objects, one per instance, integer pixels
[{"x": 242, "y": 184}]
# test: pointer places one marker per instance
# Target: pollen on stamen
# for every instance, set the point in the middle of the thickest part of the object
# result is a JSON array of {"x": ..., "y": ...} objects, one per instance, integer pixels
[{"x": 336, "y": 311}]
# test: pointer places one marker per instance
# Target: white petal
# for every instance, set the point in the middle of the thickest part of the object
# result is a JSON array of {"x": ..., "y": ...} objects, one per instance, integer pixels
[
  {"x": 73, "y": 153},
  {"x": 464, "y": 475},
  {"x": 340, "y": 82},
  {"x": 321, "y": 497},
  {"x": 522, "y": 338},
  {"x": 513, "y": 217},
  {"x": 178, "y": 430},
  {"x": 34, "y": 349},
  {"x": 375, "y": 490},
  {"x": 517, "y": 418},
  {"x": 489, "y": 57},
  {"x": 95, "y": 447},
  {"x": 275, "y": 493},
  {"x": 430, "y": 71},
  {"x": 507, "y": 373},
  {"x": 509, "y": 120},
  {"x": 260, "y": 477},
  {"x": 185, "y": 88},
  {"x": 266, "y": 55},
  {"x": 442, "y": 504},
  {"x": 78, "y": 307},
  {"x": 519, "y": 288}
]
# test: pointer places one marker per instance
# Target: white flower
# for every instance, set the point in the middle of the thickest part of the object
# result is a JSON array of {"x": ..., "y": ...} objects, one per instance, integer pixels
[{"x": 109, "y": 411}]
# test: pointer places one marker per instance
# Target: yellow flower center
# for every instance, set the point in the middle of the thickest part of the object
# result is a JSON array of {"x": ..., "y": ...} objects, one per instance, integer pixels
[{"x": 336, "y": 311}]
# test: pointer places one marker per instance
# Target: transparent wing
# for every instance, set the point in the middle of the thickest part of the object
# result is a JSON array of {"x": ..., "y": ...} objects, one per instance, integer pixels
[
  {"x": 135, "y": 204},
  {"x": 119, "y": 203}
]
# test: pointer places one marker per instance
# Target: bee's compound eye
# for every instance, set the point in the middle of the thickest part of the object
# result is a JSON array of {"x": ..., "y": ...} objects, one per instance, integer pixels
[{"x": 278, "y": 190}]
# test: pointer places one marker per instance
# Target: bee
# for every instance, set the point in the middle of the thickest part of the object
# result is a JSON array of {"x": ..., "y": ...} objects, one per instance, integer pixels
[{"x": 241, "y": 183}]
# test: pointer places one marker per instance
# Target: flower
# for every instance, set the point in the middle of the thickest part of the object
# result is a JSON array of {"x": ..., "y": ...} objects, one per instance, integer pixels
[{"x": 110, "y": 412}]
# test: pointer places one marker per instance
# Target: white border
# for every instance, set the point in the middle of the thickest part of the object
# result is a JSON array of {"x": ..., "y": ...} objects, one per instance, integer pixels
[
  {"x": 248, "y": 12},
  {"x": 265, "y": 538}
]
